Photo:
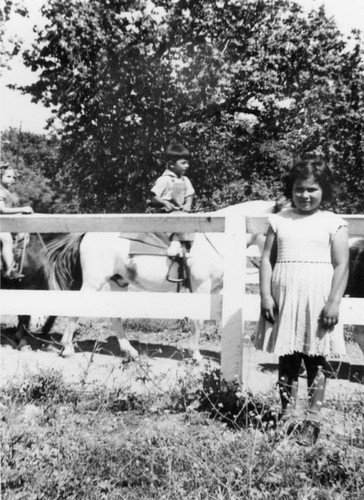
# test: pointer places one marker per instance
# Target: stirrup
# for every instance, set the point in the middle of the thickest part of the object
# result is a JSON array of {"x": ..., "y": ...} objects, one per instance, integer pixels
[{"x": 178, "y": 261}]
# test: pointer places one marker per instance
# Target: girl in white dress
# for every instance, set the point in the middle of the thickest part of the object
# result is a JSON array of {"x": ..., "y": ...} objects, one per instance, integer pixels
[{"x": 303, "y": 276}]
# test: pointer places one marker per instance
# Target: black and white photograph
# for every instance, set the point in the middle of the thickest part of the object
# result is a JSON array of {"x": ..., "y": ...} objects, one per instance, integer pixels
[{"x": 182, "y": 249}]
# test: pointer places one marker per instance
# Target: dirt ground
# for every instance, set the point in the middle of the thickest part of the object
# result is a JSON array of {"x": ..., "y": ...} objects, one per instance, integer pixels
[{"x": 163, "y": 361}]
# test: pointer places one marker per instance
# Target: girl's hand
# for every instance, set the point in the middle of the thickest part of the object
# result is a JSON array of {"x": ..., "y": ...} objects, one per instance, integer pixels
[
  {"x": 330, "y": 314},
  {"x": 268, "y": 308},
  {"x": 27, "y": 210}
]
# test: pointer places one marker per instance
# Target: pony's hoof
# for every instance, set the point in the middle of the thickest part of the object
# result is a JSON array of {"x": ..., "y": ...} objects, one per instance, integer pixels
[
  {"x": 67, "y": 351},
  {"x": 51, "y": 348},
  {"x": 197, "y": 357},
  {"x": 36, "y": 324},
  {"x": 24, "y": 346},
  {"x": 128, "y": 349}
]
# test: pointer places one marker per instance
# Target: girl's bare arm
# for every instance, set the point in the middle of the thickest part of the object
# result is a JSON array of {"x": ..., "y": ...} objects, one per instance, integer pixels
[
  {"x": 340, "y": 262},
  {"x": 267, "y": 304},
  {"x": 14, "y": 210}
]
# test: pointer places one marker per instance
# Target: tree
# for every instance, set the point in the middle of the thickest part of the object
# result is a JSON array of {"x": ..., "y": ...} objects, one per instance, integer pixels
[
  {"x": 10, "y": 47},
  {"x": 248, "y": 86},
  {"x": 34, "y": 157}
]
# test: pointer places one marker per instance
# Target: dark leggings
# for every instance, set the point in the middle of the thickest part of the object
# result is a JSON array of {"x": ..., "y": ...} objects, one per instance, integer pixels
[{"x": 288, "y": 372}]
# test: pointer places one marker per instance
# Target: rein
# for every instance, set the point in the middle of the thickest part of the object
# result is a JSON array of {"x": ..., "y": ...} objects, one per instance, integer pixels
[
  {"x": 22, "y": 259},
  {"x": 41, "y": 241},
  {"x": 213, "y": 246},
  {"x": 26, "y": 240}
]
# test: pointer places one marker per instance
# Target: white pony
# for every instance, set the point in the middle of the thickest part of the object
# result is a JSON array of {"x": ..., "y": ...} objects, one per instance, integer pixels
[{"x": 106, "y": 264}]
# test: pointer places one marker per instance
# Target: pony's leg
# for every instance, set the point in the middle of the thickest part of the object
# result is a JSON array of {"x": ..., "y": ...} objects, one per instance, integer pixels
[
  {"x": 194, "y": 348},
  {"x": 22, "y": 334},
  {"x": 48, "y": 325},
  {"x": 26, "y": 326},
  {"x": 117, "y": 324},
  {"x": 68, "y": 349},
  {"x": 94, "y": 279},
  {"x": 124, "y": 343},
  {"x": 197, "y": 324},
  {"x": 36, "y": 324},
  {"x": 359, "y": 336}
]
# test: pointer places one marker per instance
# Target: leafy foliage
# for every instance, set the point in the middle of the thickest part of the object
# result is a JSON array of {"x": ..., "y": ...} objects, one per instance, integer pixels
[
  {"x": 46, "y": 386},
  {"x": 226, "y": 402},
  {"x": 248, "y": 86},
  {"x": 9, "y": 47},
  {"x": 34, "y": 157}
]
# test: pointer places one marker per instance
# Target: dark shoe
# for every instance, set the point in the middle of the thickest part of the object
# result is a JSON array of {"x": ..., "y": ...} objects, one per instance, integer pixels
[
  {"x": 309, "y": 433},
  {"x": 13, "y": 276},
  {"x": 293, "y": 428},
  {"x": 291, "y": 424}
]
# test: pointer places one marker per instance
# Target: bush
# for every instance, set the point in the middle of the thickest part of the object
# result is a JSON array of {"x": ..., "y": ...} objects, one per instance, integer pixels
[{"x": 46, "y": 386}]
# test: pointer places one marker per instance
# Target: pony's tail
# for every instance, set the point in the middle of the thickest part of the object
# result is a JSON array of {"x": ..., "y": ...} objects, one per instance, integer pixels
[{"x": 62, "y": 263}]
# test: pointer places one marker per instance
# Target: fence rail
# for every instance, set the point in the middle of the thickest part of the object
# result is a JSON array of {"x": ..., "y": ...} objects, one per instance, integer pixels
[{"x": 233, "y": 307}]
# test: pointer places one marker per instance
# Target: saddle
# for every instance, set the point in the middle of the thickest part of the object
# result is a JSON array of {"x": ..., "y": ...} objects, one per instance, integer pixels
[{"x": 157, "y": 244}]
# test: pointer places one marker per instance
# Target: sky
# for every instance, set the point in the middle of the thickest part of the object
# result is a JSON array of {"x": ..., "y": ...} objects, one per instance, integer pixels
[{"x": 17, "y": 110}]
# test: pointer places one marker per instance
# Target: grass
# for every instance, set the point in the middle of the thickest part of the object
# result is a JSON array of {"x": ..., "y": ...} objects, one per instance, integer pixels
[{"x": 200, "y": 441}]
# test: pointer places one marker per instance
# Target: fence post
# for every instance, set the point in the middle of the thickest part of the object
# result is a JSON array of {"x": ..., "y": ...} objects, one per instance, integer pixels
[{"x": 233, "y": 298}]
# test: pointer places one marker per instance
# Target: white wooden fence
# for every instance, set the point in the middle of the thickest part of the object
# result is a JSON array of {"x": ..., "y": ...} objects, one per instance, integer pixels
[{"x": 233, "y": 307}]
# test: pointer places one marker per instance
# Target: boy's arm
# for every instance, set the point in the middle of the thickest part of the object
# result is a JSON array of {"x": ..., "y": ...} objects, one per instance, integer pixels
[
  {"x": 160, "y": 202},
  {"x": 340, "y": 262},
  {"x": 267, "y": 304},
  {"x": 187, "y": 207}
]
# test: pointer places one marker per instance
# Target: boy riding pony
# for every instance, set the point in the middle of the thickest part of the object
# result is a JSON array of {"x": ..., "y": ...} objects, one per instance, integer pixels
[{"x": 173, "y": 192}]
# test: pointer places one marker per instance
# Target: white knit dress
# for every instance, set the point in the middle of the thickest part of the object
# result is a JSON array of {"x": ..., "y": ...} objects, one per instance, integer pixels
[{"x": 301, "y": 284}]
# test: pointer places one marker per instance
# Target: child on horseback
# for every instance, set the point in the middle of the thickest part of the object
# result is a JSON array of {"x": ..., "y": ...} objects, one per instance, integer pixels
[
  {"x": 303, "y": 275},
  {"x": 173, "y": 193},
  {"x": 8, "y": 206}
]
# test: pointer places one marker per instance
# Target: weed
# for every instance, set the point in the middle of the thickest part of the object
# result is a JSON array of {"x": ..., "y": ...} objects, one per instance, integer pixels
[
  {"x": 207, "y": 441},
  {"x": 223, "y": 401},
  {"x": 47, "y": 385},
  {"x": 106, "y": 456}
]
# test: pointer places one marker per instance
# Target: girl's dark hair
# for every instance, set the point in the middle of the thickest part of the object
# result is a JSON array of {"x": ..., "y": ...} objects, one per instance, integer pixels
[
  {"x": 177, "y": 151},
  {"x": 311, "y": 167},
  {"x": 4, "y": 166}
]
